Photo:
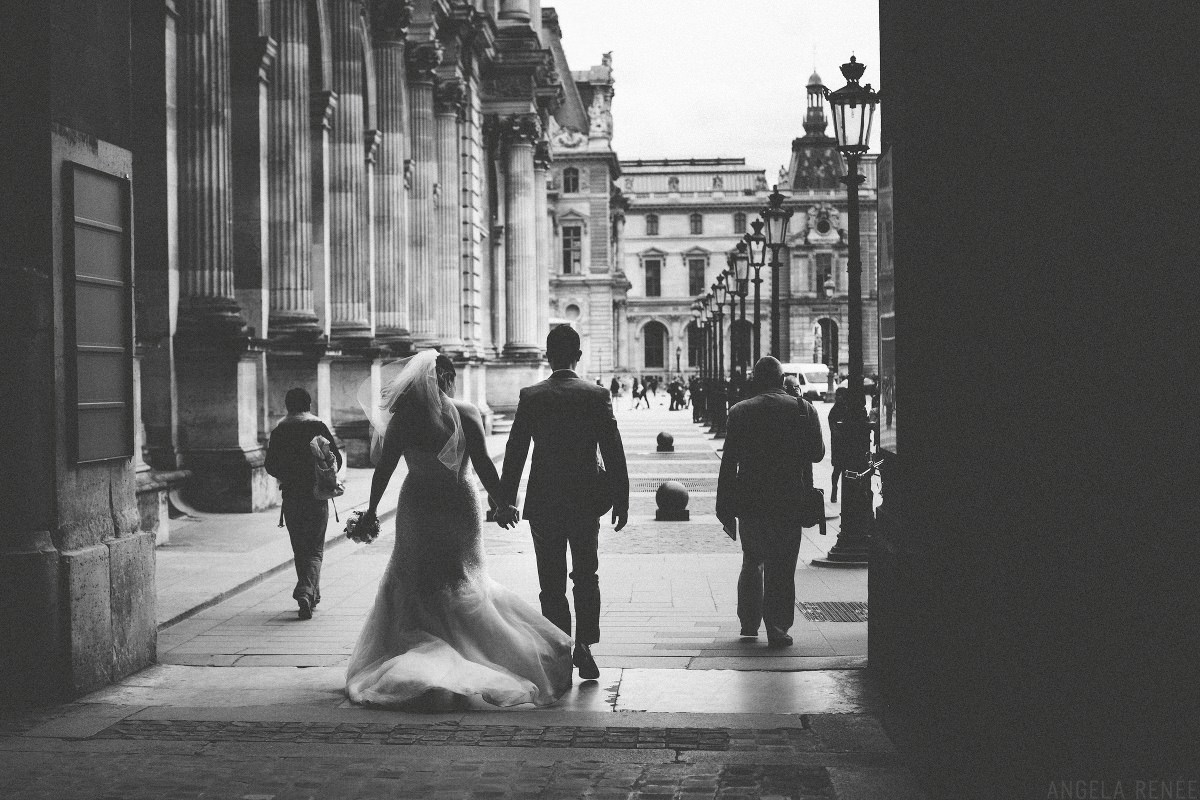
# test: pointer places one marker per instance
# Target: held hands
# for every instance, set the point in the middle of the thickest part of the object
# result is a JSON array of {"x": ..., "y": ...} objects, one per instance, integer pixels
[{"x": 507, "y": 517}]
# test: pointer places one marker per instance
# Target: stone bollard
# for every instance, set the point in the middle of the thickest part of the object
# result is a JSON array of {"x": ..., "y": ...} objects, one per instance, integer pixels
[
  {"x": 666, "y": 443},
  {"x": 672, "y": 500}
]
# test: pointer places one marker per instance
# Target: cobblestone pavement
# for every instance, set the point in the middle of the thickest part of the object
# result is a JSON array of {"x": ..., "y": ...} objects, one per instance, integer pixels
[{"x": 309, "y": 776}]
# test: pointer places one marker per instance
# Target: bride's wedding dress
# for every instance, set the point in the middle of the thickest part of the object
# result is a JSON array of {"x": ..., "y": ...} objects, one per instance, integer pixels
[{"x": 441, "y": 630}]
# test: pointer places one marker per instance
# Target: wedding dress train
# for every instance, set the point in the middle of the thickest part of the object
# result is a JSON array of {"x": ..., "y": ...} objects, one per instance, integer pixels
[{"x": 441, "y": 630}]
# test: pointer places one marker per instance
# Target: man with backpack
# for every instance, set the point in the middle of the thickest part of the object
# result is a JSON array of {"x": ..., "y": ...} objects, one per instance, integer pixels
[{"x": 304, "y": 475}]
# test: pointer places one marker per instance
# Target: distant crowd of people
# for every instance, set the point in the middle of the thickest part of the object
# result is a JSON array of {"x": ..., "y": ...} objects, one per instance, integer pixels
[{"x": 630, "y": 392}]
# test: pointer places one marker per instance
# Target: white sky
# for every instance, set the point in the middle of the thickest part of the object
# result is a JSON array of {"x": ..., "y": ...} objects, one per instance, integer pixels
[{"x": 694, "y": 78}]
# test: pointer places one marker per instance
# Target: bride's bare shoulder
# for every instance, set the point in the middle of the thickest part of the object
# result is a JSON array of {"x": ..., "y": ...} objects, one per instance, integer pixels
[{"x": 468, "y": 410}]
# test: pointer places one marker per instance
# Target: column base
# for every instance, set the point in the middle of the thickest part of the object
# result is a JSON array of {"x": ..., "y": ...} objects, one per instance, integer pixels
[
  {"x": 231, "y": 480},
  {"x": 522, "y": 352},
  {"x": 152, "y": 490},
  {"x": 506, "y": 377},
  {"x": 211, "y": 318},
  {"x": 395, "y": 342},
  {"x": 349, "y": 423},
  {"x": 294, "y": 326}
]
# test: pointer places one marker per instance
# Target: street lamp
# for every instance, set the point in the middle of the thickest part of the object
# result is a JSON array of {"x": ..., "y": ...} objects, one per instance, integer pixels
[
  {"x": 831, "y": 356},
  {"x": 756, "y": 250},
  {"x": 853, "y": 109},
  {"x": 741, "y": 270},
  {"x": 719, "y": 292},
  {"x": 698, "y": 386},
  {"x": 777, "y": 218},
  {"x": 678, "y": 353}
]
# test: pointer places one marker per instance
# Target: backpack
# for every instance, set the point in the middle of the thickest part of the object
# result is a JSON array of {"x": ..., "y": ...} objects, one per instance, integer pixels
[{"x": 326, "y": 485}]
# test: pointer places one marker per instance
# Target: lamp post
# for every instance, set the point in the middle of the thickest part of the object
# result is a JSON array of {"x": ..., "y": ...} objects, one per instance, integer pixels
[
  {"x": 678, "y": 353},
  {"x": 777, "y": 218},
  {"x": 710, "y": 348},
  {"x": 853, "y": 111},
  {"x": 741, "y": 271},
  {"x": 756, "y": 249},
  {"x": 732, "y": 297},
  {"x": 719, "y": 292},
  {"x": 698, "y": 386},
  {"x": 831, "y": 357}
]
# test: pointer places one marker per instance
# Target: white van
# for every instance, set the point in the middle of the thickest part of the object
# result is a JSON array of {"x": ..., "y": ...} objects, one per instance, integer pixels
[{"x": 814, "y": 379}]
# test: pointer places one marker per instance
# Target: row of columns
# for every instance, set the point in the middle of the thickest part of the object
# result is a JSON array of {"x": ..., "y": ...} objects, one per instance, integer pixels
[{"x": 364, "y": 239}]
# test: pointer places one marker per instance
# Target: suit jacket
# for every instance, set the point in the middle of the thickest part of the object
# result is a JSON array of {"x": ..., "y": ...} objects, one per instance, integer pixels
[
  {"x": 768, "y": 446},
  {"x": 566, "y": 418}
]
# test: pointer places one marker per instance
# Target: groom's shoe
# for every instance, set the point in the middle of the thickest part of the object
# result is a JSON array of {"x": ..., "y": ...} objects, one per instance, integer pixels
[
  {"x": 305, "y": 608},
  {"x": 582, "y": 659}
]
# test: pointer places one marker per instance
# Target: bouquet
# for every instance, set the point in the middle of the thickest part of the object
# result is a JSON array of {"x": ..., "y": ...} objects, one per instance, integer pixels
[{"x": 363, "y": 534}]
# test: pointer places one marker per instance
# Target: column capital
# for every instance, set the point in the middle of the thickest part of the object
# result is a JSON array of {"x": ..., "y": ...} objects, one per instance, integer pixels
[
  {"x": 541, "y": 154},
  {"x": 390, "y": 19},
  {"x": 371, "y": 140},
  {"x": 422, "y": 59},
  {"x": 449, "y": 96},
  {"x": 521, "y": 128},
  {"x": 323, "y": 104}
]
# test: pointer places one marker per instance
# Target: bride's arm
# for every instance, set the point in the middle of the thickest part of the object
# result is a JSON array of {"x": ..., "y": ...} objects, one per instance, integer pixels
[
  {"x": 388, "y": 459},
  {"x": 477, "y": 448}
]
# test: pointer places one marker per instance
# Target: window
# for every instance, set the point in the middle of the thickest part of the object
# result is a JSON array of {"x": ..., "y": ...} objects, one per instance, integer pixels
[
  {"x": 570, "y": 180},
  {"x": 695, "y": 338},
  {"x": 655, "y": 336},
  {"x": 572, "y": 249},
  {"x": 824, "y": 269},
  {"x": 696, "y": 275},
  {"x": 99, "y": 316},
  {"x": 739, "y": 223},
  {"x": 652, "y": 224},
  {"x": 653, "y": 277},
  {"x": 696, "y": 221}
]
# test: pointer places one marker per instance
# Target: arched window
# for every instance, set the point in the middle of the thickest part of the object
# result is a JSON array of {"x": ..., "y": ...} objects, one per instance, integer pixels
[
  {"x": 695, "y": 338},
  {"x": 652, "y": 224},
  {"x": 739, "y": 222},
  {"x": 570, "y": 180},
  {"x": 655, "y": 337},
  {"x": 696, "y": 221}
]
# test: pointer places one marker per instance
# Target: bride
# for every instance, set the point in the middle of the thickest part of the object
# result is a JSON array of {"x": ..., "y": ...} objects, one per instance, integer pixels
[{"x": 441, "y": 631}]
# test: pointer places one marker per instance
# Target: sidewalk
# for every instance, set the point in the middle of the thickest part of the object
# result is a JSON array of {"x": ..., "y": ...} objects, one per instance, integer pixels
[{"x": 248, "y": 701}]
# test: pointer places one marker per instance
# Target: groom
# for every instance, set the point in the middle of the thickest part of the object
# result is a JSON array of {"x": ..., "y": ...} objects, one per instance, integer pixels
[{"x": 567, "y": 417}]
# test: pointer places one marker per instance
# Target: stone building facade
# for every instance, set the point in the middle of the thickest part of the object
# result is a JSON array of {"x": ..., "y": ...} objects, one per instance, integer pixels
[
  {"x": 587, "y": 285},
  {"x": 211, "y": 202},
  {"x": 686, "y": 215}
]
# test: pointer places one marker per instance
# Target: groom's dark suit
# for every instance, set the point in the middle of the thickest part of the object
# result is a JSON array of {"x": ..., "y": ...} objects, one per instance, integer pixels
[{"x": 567, "y": 418}]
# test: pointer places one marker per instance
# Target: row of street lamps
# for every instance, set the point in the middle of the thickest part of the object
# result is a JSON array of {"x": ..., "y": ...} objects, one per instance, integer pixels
[{"x": 853, "y": 108}]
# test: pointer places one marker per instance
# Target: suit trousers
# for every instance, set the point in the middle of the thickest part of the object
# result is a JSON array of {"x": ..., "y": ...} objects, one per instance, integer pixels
[
  {"x": 306, "y": 518},
  {"x": 550, "y": 540},
  {"x": 767, "y": 583}
]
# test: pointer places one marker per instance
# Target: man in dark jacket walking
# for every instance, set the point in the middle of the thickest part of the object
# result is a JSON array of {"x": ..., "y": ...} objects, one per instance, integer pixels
[
  {"x": 771, "y": 442},
  {"x": 567, "y": 420},
  {"x": 290, "y": 460}
]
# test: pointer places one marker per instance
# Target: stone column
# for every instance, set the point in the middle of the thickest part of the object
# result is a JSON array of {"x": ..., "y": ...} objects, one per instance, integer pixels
[
  {"x": 421, "y": 60},
  {"x": 217, "y": 368},
  {"x": 207, "y": 304},
  {"x": 389, "y": 27},
  {"x": 520, "y": 251},
  {"x": 541, "y": 166},
  {"x": 350, "y": 274},
  {"x": 290, "y": 176},
  {"x": 447, "y": 273}
]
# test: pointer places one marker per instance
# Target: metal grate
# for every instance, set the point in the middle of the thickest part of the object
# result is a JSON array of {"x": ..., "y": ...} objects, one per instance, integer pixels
[
  {"x": 834, "y": 612},
  {"x": 691, "y": 484}
]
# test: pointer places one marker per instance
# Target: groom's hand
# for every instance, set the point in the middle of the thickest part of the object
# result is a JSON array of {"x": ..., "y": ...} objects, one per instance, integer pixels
[
  {"x": 619, "y": 518},
  {"x": 507, "y": 517}
]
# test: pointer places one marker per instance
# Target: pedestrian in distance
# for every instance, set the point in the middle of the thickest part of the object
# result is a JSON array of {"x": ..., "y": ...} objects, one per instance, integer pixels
[
  {"x": 840, "y": 451},
  {"x": 290, "y": 460},
  {"x": 771, "y": 443},
  {"x": 638, "y": 392},
  {"x": 614, "y": 389}
]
